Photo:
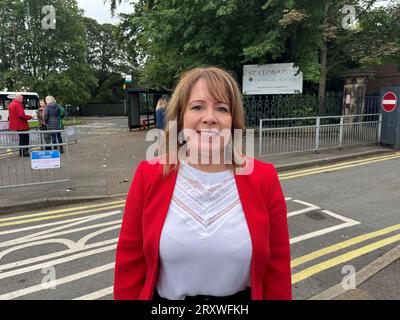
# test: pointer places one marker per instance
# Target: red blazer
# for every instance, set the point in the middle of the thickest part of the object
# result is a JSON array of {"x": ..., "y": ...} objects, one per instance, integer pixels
[
  {"x": 147, "y": 204},
  {"x": 18, "y": 120}
]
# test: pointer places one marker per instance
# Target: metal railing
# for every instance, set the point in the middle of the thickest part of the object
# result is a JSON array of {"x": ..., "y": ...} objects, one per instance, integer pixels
[
  {"x": 70, "y": 131},
  {"x": 289, "y": 135},
  {"x": 288, "y": 106},
  {"x": 17, "y": 166}
]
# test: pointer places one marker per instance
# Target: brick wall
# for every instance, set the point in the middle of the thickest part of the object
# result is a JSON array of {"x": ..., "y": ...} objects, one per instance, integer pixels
[{"x": 385, "y": 76}]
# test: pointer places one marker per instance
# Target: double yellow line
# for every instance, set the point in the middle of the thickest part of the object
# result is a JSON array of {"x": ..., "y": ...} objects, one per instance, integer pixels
[
  {"x": 310, "y": 271},
  {"x": 334, "y": 167},
  {"x": 55, "y": 214}
]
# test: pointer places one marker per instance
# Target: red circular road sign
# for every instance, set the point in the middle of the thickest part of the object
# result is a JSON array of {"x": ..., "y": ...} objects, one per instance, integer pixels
[{"x": 389, "y": 101}]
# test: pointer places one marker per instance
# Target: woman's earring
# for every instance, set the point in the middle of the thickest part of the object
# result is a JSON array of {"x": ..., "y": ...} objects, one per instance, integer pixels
[{"x": 181, "y": 138}]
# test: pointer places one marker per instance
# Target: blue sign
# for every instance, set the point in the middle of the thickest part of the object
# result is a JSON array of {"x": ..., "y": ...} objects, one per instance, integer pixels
[{"x": 45, "y": 159}]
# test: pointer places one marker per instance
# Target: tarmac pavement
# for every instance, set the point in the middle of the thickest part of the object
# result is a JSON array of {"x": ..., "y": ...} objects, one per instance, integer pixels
[{"x": 102, "y": 167}]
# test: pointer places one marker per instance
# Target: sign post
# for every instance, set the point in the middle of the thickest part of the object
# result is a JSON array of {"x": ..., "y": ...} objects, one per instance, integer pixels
[
  {"x": 390, "y": 114},
  {"x": 128, "y": 79},
  {"x": 389, "y": 101}
]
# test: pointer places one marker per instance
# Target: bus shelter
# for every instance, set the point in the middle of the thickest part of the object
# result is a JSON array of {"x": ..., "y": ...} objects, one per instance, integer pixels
[{"x": 141, "y": 106}]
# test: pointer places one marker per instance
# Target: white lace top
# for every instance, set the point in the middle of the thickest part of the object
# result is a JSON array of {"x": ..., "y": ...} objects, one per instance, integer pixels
[{"x": 205, "y": 245}]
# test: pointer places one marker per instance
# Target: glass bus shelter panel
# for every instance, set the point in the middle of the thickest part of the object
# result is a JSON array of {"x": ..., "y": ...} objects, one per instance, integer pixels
[{"x": 147, "y": 103}]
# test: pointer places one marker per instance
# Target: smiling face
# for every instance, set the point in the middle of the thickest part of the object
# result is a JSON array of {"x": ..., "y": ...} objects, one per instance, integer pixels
[
  {"x": 206, "y": 101},
  {"x": 204, "y": 118}
]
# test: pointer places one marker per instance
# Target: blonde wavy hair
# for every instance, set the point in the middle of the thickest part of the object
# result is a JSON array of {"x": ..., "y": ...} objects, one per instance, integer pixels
[
  {"x": 50, "y": 99},
  {"x": 223, "y": 87},
  {"x": 161, "y": 103}
]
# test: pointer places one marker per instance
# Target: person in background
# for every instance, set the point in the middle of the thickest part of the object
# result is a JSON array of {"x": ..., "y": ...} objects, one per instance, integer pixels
[
  {"x": 62, "y": 114},
  {"x": 18, "y": 121},
  {"x": 160, "y": 113},
  {"x": 204, "y": 232},
  {"x": 52, "y": 121},
  {"x": 44, "y": 137}
]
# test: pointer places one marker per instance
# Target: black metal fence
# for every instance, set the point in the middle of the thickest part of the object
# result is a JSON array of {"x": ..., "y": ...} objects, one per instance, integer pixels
[
  {"x": 288, "y": 106},
  {"x": 367, "y": 104}
]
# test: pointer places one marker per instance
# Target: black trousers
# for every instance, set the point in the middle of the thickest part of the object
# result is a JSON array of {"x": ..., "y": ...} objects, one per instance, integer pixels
[
  {"x": 241, "y": 296},
  {"x": 23, "y": 141}
]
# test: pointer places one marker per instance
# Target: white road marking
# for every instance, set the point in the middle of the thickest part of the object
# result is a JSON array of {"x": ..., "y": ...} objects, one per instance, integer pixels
[
  {"x": 24, "y": 239},
  {"x": 56, "y": 262},
  {"x": 86, "y": 238},
  {"x": 57, "y": 282},
  {"x": 39, "y": 226},
  {"x": 348, "y": 223},
  {"x": 68, "y": 243},
  {"x": 85, "y": 220},
  {"x": 338, "y": 216},
  {"x": 310, "y": 207},
  {"x": 77, "y": 247},
  {"x": 56, "y": 254},
  {"x": 97, "y": 294}
]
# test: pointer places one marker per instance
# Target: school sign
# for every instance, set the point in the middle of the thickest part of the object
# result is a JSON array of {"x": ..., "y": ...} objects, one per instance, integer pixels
[{"x": 280, "y": 78}]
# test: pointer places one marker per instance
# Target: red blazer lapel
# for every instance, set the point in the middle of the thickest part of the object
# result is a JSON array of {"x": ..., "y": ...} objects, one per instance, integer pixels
[
  {"x": 257, "y": 220},
  {"x": 157, "y": 204}
]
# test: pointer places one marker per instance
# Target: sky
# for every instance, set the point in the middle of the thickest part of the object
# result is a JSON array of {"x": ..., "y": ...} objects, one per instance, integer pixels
[{"x": 96, "y": 9}]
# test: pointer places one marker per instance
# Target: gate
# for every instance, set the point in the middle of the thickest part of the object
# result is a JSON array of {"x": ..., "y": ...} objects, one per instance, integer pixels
[{"x": 19, "y": 169}]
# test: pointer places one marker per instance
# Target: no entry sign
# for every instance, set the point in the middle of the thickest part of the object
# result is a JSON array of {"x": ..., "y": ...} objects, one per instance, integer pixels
[{"x": 389, "y": 101}]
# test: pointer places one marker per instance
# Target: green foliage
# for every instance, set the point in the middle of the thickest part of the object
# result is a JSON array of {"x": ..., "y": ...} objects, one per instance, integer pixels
[
  {"x": 167, "y": 37},
  {"x": 174, "y": 36},
  {"x": 107, "y": 58},
  {"x": 73, "y": 62},
  {"x": 49, "y": 61}
]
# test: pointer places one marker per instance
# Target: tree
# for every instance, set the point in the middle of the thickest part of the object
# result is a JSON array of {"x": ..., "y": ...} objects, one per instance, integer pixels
[
  {"x": 106, "y": 57},
  {"x": 171, "y": 36},
  {"x": 331, "y": 31},
  {"x": 168, "y": 37},
  {"x": 47, "y": 60}
]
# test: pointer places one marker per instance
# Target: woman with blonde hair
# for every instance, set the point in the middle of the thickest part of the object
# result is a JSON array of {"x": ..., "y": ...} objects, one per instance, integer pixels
[
  {"x": 52, "y": 121},
  {"x": 200, "y": 231},
  {"x": 160, "y": 113}
]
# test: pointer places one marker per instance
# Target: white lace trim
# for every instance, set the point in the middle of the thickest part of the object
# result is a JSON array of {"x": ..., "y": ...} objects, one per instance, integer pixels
[{"x": 205, "y": 200}]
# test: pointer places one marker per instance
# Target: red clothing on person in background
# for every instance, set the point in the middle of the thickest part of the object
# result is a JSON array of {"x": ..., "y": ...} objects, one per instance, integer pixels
[{"x": 18, "y": 120}]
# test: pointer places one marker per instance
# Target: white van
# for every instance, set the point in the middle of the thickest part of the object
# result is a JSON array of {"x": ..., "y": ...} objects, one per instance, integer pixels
[{"x": 31, "y": 103}]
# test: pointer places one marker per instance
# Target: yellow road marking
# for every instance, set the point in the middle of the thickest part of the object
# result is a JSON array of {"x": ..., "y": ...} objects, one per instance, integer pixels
[
  {"x": 321, "y": 170},
  {"x": 57, "y": 216},
  {"x": 306, "y": 273},
  {"x": 342, "y": 245},
  {"x": 62, "y": 210},
  {"x": 393, "y": 155}
]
